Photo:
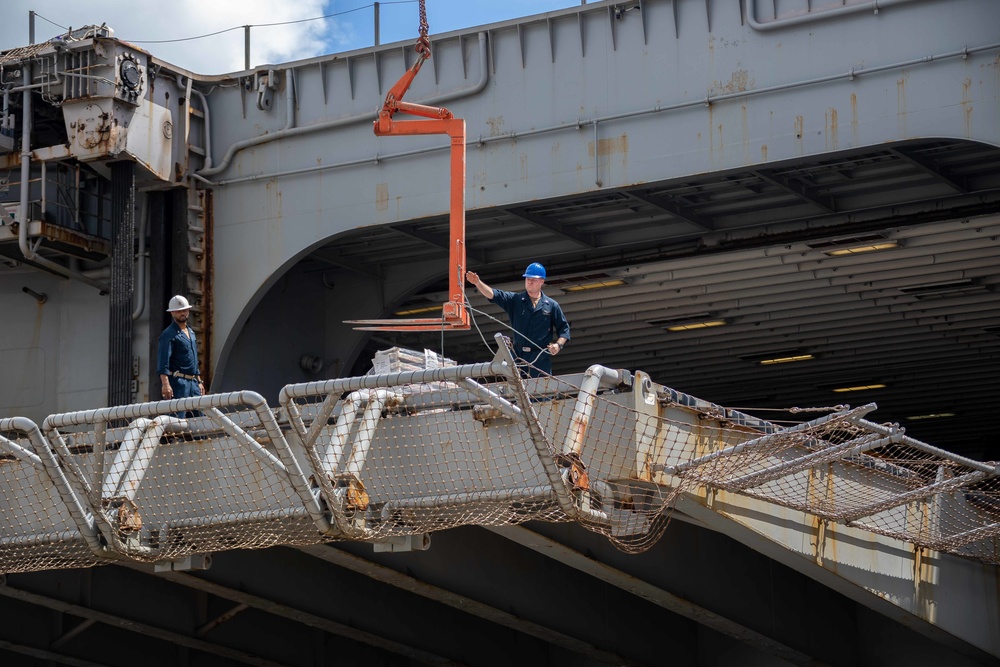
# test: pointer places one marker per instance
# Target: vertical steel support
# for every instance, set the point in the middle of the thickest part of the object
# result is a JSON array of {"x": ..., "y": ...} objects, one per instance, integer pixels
[
  {"x": 122, "y": 285},
  {"x": 366, "y": 430},
  {"x": 135, "y": 454},
  {"x": 334, "y": 450}
]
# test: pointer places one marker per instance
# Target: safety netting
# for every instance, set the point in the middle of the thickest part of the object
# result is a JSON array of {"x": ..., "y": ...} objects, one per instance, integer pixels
[
  {"x": 42, "y": 527},
  {"x": 164, "y": 481},
  {"x": 872, "y": 476},
  {"x": 427, "y": 450},
  {"x": 398, "y": 454}
]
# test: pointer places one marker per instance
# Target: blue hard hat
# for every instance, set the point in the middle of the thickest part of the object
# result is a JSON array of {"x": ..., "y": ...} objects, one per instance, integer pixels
[{"x": 534, "y": 270}]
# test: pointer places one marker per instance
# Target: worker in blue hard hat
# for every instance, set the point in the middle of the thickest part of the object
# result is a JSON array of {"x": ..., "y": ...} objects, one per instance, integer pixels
[{"x": 541, "y": 329}]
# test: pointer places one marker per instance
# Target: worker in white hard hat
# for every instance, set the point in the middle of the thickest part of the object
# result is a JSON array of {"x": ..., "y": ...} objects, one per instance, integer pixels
[
  {"x": 541, "y": 329},
  {"x": 177, "y": 354}
]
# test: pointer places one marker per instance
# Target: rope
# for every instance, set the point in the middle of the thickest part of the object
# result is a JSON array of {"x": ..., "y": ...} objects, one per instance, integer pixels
[
  {"x": 829, "y": 408},
  {"x": 542, "y": 350}
]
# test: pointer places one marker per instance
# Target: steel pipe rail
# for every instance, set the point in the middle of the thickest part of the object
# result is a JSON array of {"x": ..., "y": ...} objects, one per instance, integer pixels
[
  {"x": 77, "y": 508},
  {"x": 935, "y": 451},
  {"x": 850, "y": 415},
  {"x": 285, "y": 463},
  {"x": 445, "y": 500},
  {"x": 597, "y": 377},
  {"x": 873, "y": 7},
  {"x": 825, "y": 455},
  {"x": 444, "y": 374}
]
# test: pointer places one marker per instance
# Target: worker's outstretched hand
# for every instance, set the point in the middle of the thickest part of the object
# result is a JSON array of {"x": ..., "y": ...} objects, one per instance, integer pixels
[{"x": 472, "y": 277}]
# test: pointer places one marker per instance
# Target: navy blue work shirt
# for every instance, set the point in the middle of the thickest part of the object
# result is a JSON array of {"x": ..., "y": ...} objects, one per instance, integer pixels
[
  {"x": 536, "y": 326},
  {"x": 177, "y": 352}
]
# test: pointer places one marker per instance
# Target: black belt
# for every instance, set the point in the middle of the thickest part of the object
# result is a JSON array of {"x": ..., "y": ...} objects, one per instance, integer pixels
[{"x": 178, "y": 374}]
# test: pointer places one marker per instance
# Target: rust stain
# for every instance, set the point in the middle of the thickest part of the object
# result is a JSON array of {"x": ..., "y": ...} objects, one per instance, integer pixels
[
  {"x": 901, "y": 105},
  {"x": 746, "y": 134},
  {"x": 76, "y": 238},
  {"x": 739, "y": 82},
  {"x": 817, "y": 537},
  {"x": 763, "y": 153},
  {"x": 831, "y": 124},
  {"x": 967, "y": 106},
  {"x": 273, "y": 211},
  {"x": 381, "y": 196},
  {"x": 579, "y": 429},
  {"x": 854, "y": 119},
  {"x": 496, "y": 125},
  {"x": 800, "y": 123},
  {"x": 609, "y": 146},
  {"x": 275, "y": 232},
  {"x": 711, "y": 139}
]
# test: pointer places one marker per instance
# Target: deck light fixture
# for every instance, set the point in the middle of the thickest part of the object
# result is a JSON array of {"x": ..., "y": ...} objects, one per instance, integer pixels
[
  {"x": 857, "y": 250},
  {"x": 860, "y": 387},
  {"x": 691, "y": 326},
  {"x": 696, "y": 321},
  {"x": 785, "y": 359},
  {"x": 600, "y": 284},
  {"x": 932, "y": 415}
]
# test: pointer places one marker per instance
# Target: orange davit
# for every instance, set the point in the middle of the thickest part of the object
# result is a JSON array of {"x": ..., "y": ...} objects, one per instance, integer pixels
[{"x": 440, "y": 121}]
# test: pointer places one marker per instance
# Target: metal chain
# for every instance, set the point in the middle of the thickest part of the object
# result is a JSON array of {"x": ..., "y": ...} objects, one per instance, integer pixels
[{"x": 423, "y": 45}]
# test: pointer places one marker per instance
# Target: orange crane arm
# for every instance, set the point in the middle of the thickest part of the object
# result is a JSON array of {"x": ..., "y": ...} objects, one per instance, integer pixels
[{"x": 441, "y": 121}]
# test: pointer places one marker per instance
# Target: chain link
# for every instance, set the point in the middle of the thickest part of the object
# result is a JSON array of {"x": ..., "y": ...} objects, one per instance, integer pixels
[{"x": 423, "y": 45}]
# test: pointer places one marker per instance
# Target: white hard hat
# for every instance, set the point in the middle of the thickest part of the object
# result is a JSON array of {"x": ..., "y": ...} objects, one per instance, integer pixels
[{"x": 178, "y": 303}]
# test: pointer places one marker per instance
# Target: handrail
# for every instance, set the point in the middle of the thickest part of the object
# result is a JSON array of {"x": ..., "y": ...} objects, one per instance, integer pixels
[{"x": 873, "y": 6}]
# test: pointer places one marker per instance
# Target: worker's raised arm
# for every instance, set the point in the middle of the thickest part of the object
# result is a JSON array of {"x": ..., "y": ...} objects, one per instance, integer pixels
[{"x": 483, "y": 288}]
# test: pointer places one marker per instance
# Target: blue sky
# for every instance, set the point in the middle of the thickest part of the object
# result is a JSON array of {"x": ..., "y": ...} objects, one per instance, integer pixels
[{"x": 166, "y": 29}]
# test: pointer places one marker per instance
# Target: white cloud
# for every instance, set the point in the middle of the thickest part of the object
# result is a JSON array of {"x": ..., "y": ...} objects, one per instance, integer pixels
[
  {"x": 137, "y": 21},
  {"x": 350, "y": 27}
]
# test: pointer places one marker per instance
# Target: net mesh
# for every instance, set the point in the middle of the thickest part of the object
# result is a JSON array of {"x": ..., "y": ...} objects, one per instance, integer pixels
[
  {"x": 165, "y": 485},
  {"x": 422, "y": 457},
  {"x": 37, "y": 531},
  {"x": 401, "y": 454},
  {"x": 870, "y": 476}
]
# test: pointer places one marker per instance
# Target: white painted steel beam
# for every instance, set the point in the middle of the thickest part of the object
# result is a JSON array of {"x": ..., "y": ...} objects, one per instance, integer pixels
[{"x": 950, "y": 599}]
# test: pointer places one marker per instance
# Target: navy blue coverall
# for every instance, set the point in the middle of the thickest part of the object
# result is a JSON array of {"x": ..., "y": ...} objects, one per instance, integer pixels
[{"x": 535, "y": 327}]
